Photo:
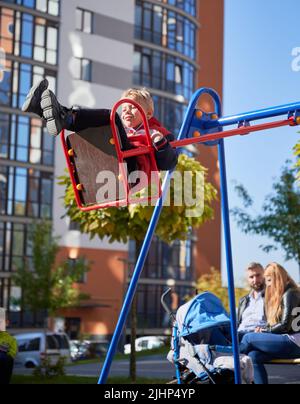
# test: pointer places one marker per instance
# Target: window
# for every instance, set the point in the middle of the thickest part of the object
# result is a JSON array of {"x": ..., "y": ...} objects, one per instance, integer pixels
[
  {"x": 26, "y": 192},
  {"x": 29, "y": 345},
  {"x": 22, "y": 139},
  {"x": 150, "y": 313},
  {"x": 169, "y": 262},
  {"x": 189, "y": 6},
  {"x": 166, "y": 28},
  {"x": 4, "y": 135},
  {"x": 74, "y": 226},
  {"x": 72, "y": 262},
  {"x": 170, "y": 113},
  {"x": 84, "y": 21},
  {"x": 45, "y": 6},
  {"x": 25, "y": 35},
  {"x": 51, "y": 342},
  {"x": 82, "y": 69},
  {"x": 164, "y": 72},
  {"x": 62, "y": 341},
  {"x": 3, "y": 190},
  {"x": 12, "y": 239}
]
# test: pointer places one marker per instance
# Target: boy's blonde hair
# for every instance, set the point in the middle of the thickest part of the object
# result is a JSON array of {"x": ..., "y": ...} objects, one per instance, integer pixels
[{"x": 141, "y": 96}]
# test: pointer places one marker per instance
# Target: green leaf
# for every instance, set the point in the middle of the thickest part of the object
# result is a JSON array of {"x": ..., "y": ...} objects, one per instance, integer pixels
[{"x": 132, "y": 222}]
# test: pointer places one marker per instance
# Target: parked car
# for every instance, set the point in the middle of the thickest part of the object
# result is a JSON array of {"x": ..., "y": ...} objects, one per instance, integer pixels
[
  {"x": 98, "y": 348},
  {"x": 145, "y": 343},
  {"x": 33, "y": 347},
  {"x": 80, "y": 350}
]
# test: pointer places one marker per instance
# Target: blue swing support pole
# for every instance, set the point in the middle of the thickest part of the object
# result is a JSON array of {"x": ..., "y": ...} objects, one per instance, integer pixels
[
  {"x": 142, "y": 257},
  {"x": 227, "y": 235},
  {"x": 293, "y": 111},
  {"x": 229, "y": 262}
]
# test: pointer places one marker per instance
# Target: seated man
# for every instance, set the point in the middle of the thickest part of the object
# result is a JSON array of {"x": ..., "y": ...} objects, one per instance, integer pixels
[{"x": 251, "y": 312}]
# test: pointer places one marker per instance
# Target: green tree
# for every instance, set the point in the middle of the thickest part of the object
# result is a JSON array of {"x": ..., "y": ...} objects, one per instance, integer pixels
[
  {"x": 297, "y": 154},
  {"x": 131, "y": 222},
  {"x": 280, "y": 217},
  {"x": 212, "y": 282},
  {"x": 44, "y": 285}
]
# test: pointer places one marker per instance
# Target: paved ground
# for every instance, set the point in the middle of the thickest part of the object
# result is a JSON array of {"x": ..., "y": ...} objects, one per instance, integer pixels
[{"x": 157, "y": 367}]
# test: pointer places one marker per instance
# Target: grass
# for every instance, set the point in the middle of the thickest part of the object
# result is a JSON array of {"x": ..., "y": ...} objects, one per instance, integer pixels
[
  {"x": 119, "y": 356},
  {"x": 17, "y": 379},
  {"x": 20, "y": 379}
]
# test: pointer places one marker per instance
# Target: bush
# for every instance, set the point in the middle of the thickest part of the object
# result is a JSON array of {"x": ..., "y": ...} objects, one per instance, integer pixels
[
  {"x": 48, "y": 370},
  {"x": 212, "y": 282}
]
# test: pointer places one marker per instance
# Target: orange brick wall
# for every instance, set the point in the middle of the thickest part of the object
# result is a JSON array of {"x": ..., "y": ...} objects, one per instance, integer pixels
[
  {"x": 210, "y": 46},
  {"x": 105, "y": 285}
]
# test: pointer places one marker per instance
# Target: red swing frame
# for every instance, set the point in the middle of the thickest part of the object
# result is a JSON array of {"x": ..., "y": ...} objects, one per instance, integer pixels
[{"x": 148, "y": 149}]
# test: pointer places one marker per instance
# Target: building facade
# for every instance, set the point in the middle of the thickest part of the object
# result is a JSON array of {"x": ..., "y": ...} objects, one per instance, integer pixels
[
  {"x": 90, "y": 52},
  {"x": 165, "y": 60},
  {"x": 29, "y": 51}
]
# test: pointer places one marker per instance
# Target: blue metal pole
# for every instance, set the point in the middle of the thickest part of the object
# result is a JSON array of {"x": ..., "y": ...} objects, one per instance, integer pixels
[
  {"x": 147, "y": 242},
  {"x": 132, "y": 288},
  {"x": 230, "y": 275},
  {"x": 176, "y": 351},
  {"x": 144, "y": 252},
  {"x": 253, "y": 115},
  {"x": 226, "y": 223}
]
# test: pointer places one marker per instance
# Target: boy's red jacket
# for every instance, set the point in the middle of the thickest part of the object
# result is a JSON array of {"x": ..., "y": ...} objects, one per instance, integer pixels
[
  {"x": 138, "y": 138},
  {"x": 154, "y": 124}
]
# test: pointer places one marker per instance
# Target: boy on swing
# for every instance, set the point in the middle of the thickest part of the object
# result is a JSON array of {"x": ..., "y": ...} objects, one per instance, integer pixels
[{"x": 43, "y": 102}]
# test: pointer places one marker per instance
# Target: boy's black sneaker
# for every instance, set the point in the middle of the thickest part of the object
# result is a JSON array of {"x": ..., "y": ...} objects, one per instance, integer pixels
[
  {"x": 33, "y": 99},
  {"x": 57, "y": 116}
]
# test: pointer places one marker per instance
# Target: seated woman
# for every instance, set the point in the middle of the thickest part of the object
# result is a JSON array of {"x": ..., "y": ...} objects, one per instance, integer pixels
[{"x": 281, "y": 338}]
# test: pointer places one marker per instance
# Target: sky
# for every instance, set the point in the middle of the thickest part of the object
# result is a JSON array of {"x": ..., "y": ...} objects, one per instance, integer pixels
[{"x": 261, "y": 70}]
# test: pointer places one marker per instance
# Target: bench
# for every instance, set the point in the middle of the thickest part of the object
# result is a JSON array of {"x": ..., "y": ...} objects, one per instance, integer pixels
[{"x": 295, "y": 361}]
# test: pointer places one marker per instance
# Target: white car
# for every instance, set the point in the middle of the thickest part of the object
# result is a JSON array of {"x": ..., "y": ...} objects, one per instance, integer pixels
[
  {"x": 34, "y": 346},
  {"x": 145, "y": 343}
]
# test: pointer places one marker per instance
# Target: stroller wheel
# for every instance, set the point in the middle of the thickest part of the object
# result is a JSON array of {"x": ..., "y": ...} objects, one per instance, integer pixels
[
  {"x": 174, "y": 381},
  {"x": 187, "y": 376}
]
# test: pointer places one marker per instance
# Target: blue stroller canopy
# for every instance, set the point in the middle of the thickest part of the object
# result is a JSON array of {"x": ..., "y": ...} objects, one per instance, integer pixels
[{"x": 205, "y": 311}]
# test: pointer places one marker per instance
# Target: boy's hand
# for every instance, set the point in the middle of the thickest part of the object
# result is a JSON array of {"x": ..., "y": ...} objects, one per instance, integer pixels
[
  {"x": 156, "y": 137},
  {"x": 158, "y": 140}
]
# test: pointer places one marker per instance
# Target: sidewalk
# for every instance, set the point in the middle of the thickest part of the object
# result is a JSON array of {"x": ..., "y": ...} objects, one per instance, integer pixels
[{"x": 156, "y": 367}]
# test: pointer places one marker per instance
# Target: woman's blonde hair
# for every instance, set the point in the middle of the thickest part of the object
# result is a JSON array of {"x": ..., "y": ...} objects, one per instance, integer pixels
[
  {"x": 281, "y": 281},
  {"x": 141, "y": 96}
]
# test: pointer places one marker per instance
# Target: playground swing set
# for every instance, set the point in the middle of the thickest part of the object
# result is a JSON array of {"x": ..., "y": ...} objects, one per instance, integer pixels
[{"x": 95, "y": 150}]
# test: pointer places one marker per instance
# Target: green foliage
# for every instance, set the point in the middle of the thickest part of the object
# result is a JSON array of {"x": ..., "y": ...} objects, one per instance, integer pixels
[
  {"x": 212, "y": 282},
  {"x": 44, "y": 285},
  {"x": 280, "y": 217},
  {"x": 297, "y": 154},
  {"x": 122, "y": 224},
  {"x": 47, "y": 369},
  {"x": 20, "y": 379},
  {"x": 8, "y": 344}
]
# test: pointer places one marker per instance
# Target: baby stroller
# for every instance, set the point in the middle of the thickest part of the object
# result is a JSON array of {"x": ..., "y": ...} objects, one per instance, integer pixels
[{"x": 201, "y": 343}]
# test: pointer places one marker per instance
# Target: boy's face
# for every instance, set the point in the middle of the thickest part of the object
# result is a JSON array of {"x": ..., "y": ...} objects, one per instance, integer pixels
[{"x": 131, "y": 116}]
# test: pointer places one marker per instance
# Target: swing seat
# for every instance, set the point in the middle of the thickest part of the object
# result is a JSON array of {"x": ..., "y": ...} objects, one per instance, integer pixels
[{"x": 100, "y": 168}]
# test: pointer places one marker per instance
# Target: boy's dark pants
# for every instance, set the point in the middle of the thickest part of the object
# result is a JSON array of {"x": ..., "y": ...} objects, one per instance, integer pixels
[
  {"x": 94, "y": 118},
  {"x": 166, "y": 158},
  {"x": 6, "y": 368}
]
